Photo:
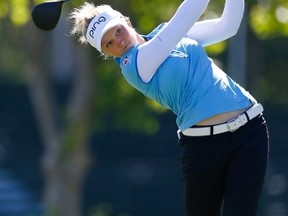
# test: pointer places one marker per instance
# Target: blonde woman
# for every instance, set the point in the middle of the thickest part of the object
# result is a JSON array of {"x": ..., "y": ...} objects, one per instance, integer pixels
[{"x": 222, "y": 133}]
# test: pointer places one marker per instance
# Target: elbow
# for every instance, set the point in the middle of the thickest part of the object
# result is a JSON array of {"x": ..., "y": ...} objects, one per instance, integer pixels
[
  {"x": 234, "y": 31},
  {"x": 231, "y": 30}
]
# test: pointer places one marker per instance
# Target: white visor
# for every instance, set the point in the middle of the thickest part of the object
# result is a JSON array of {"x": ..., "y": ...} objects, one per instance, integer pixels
[{"x": 100, "y": 25}]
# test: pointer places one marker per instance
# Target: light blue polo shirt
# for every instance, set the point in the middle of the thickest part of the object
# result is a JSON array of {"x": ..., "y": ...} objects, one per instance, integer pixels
[{"x": 188, "y": 83}]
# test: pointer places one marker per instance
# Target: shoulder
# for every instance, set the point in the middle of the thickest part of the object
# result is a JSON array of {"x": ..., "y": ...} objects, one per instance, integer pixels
[{"x": 154, "y": 31}]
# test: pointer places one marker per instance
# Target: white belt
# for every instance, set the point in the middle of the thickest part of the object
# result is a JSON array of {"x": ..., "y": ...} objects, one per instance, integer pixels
[{"x": 231, "y": 125}]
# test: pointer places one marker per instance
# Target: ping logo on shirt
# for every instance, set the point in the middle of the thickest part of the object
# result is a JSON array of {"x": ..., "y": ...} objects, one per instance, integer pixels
[
  {"x": 176, "y": 53},
  {"x": 94, "y": 26}
]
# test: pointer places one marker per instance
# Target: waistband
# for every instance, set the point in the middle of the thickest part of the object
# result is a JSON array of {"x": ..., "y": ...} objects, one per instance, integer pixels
[{"x": 230, "y": 126}]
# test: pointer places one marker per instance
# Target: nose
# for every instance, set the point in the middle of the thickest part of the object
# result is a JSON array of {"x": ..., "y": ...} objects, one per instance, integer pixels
[{"x": 120, "y": 41}]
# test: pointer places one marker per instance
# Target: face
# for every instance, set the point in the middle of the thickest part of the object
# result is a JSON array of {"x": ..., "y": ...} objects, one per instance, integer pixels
[{"x": 117, "y": 40}]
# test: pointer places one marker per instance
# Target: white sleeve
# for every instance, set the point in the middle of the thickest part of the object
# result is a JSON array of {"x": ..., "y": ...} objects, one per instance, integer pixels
[
  {"x": 215, "y": 30},
  {"x": 154, "y": 52}
]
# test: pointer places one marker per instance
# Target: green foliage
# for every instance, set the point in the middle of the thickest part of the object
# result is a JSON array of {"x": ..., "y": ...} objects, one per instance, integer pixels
[
  {"x": 4, "y": 9},
  {"x": 269, "y": 19},
  {"x": 216, "y": 49},
  {"x": 119, "y": 105},
  {"x": 18, "y": 11},
  {"x": 148, "y": 16}
]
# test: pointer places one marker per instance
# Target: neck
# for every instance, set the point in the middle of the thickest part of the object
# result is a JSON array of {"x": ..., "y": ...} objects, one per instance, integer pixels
[{"x": 140, "y": 39}]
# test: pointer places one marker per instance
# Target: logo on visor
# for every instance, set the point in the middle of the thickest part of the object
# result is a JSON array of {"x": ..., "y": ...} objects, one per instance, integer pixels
[{"x": 96, "y": 23}]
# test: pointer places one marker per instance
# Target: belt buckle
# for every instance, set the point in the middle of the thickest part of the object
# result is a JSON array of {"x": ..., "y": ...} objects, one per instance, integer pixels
[{"x": 235, "y": 123}]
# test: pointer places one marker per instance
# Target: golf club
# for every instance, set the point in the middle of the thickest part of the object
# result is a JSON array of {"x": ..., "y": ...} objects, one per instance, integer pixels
[{"x": 46, "y": 15}]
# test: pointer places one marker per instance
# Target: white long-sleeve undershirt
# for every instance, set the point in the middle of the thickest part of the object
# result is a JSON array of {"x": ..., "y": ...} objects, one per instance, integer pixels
[{"x": 183, "y": 24}]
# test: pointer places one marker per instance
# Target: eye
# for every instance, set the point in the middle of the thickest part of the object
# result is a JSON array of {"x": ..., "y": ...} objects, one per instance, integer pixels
[
  {"x": 118, "y": 31},
  {"x": 109, "y": 44}
]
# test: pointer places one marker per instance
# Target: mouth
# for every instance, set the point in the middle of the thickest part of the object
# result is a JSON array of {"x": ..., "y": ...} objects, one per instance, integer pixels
[{"x": 127, "y": 46}]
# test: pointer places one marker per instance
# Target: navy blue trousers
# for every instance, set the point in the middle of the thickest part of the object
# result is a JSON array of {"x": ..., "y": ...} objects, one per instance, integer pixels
[{"x": 223, "y": 174}]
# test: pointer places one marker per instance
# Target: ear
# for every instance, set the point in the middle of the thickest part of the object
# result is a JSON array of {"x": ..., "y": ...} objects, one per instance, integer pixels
[{"x": 128, "y": 22}]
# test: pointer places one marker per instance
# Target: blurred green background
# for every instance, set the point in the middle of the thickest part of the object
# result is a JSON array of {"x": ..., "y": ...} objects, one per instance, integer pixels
[{"x": 76, "y": 139}]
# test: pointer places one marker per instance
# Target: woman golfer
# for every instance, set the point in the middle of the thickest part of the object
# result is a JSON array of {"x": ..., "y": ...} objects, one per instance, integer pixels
[{"x": 222, "y": 132}]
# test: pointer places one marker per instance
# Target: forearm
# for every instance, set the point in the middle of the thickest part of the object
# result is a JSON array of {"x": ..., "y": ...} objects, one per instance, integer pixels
[{"x": 208, "y": 32}]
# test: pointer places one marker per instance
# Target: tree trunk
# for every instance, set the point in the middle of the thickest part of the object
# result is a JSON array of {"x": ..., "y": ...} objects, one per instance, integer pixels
[
  {"x": 66, "y": 158},
  {"x": 237, "y": 55}
]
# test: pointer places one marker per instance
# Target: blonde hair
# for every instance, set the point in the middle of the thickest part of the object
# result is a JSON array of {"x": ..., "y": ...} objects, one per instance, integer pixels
[{"x": 81, "y": 17}]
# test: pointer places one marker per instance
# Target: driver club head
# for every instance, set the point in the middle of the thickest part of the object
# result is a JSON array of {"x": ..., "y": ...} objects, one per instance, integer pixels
[{"x": 46, "y": 15}]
